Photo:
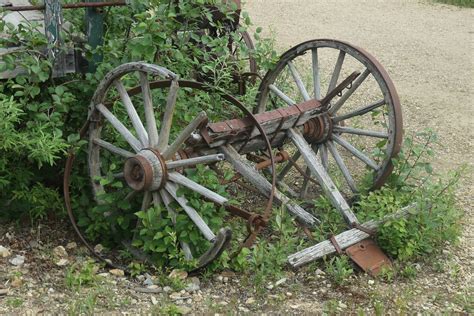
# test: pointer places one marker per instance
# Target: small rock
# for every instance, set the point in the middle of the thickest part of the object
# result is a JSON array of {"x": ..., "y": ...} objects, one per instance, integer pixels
[
  {"x": 371, "y": 282},
  {"x": 117, "y": 272},
  {"x": 148, "y": 281},
  {"x": 280, "y": 282},
  {"x": 243, "y": 309},
  {"x": 223, "y": 303},
  {"x": 104, "y": 274},
  {"x": 152, "y": 287},
  {"x": 191, "y": 287},
  {"x": 175, "y": 296},
  {"x": 51, "y": 290},
  {"x": 184, "y": 310},
  {"x": 178, "y": 274},
  {"x": 3, "y": 292},
  {"x": 60, "y": 252},
  {"x": 62, "y": 262},
  {"x": 225, "y": 279},
  {"x": 250, "y": 301},
  {"x": 98, "y": 248},
  {"x": 319, "y": 272},
  {"x": 154, "y": 301},
  {"x": 167, "y": 289},
  {"x": 289, "y": 294},
  {"x": 189, "y": 301},
  {"x": 72, "y": 245},
  {"x": 4, "y": 252},
  {"x": 220, "y": 278},
  {"x": 18, "y": 260},
  {"x": 16, "y": 282},
  {"x": 148, "y": 290},
  {"x": 134, "y": 301},
  {"x": 342, "y": 305}
]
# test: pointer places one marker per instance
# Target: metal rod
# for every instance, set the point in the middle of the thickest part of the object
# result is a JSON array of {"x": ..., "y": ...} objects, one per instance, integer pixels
[{"x": 77, "y": 5}]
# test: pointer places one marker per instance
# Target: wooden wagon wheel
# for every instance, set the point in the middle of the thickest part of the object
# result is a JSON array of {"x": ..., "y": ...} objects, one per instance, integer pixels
[
  {"x": 357, "y": 134},
  {"x": 142, "y": 163}
]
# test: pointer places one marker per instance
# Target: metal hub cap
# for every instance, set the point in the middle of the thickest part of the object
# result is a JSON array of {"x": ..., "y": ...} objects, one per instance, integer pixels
[
  {"x": 145, "y": 171},
  {"x": 317, "y": 129}
]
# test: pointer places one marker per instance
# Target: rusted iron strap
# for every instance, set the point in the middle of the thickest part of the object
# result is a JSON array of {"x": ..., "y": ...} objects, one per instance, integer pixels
[
  {"x": 333, "y": 241},
  {"x": 325, "y": 101},
  {"x": 363, "y": 229}
]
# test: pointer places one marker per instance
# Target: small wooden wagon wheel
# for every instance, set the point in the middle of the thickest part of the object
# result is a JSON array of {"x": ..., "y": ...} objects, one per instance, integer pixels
[
  {"x": 359, "y": 130},
  {"x": 147, "y": 179}
]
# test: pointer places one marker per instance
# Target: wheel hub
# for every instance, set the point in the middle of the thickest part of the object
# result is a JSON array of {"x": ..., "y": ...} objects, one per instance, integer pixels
[
  {"x": 145, "y": 171},
  {"x": 317, "y": 129}
]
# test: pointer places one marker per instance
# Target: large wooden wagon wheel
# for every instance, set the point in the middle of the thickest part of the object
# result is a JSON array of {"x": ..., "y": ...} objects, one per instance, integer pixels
[
  {"x": 359, "y": 131},
  {"x": 147, "y": 180}
]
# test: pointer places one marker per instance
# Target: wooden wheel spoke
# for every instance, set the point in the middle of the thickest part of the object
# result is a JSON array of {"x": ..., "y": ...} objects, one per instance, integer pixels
[
  {"x": 281, "y": 95},
  {"x": 183, "y": 163},
  {"x": 112, "y": 148},
  {"x": 356, "y": 152},
  {"x": 184, "y": 135},
  {"x": 167, "y": 200},
  {"x": 135, "y": 143},
  {"x": 337, "y": 71},
  {"x": 361, "y": 111},
  {"x": 298, "y": 81},
  {"x": 250, "y": 174},
  {"x": 192, "y": 213},
  {"x": 316, "y": 74},
  {"x": 324, "y": 156},
  {"x": 149, "y": 113},
  {"x": 164, "y": 136},
  {"x": 342, "y": 166},
  {"x": 322, "y": 176},
  {"x": 196, "y": 187},
  {"x": 307, "y": 175},
  {"x": 356, "y": 84},
  {"x": 132, "y": 113},
  {"x": 357, "y": 131}
]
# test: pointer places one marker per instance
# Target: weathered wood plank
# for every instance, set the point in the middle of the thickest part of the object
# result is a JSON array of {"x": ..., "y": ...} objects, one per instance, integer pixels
[{"x": 344, "y": 239}]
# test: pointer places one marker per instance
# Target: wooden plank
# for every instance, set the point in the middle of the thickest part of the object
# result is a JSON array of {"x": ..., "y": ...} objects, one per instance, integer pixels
[
  {"x": 196, "y": 187},
  {"x": 344, "y": 239},
  {"x": 174, "y": 164},
  {"x": 112, "y": 148},
  {"x": 149, "y": 113}
]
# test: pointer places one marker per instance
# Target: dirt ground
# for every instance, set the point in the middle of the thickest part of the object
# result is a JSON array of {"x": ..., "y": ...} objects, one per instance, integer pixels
[{"x": 427, "y": 50}]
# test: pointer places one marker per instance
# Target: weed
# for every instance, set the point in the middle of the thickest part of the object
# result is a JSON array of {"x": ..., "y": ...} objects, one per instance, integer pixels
[
  {"x": 409, "y": 271},
  {"x": 80, "y": 275},
  {"x": 14, "y": 302},
  {"x": 459, "y": 3},
  {"x": 339, "y": 269}
]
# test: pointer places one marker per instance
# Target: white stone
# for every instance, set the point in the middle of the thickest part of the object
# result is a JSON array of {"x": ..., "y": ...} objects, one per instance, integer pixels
[
  {"x": 4, "y": 252},
  {"x": 60, "y": 252},
  {"x": 117, "y": 272},
  {"x": 18, "y": 260},
  {"x": 280, "y": 282},
  {"x": 62, "y": 262},
  {"x": 250, "y": 301},
  {"x": 154, "y": 301}
]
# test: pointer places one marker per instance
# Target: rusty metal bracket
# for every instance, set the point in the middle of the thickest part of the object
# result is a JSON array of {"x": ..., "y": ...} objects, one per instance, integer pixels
[{"x": 369, "y": 257}]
